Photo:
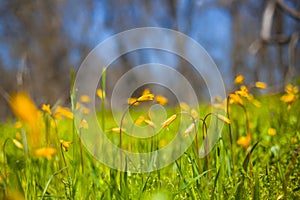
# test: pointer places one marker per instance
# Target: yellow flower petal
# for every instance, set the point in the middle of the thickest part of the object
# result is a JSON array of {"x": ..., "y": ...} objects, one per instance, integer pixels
[
  {"x": 46, "y": 108},
  {"x": 46, "y": 152},
  {"x": 223, "y": 118},
  {"x": 85, "y": 99},
  {"x": 239, "y": 79},
  {"x": 184, "y": 106},
  {"x": 161, "y": 100},
  {"x": 169, "y": 121},
  {"x": 84, "y": 124},
  {"x": 150, "y": 123},
  {"x": 260, "y": 85},
  {"x": 272, "y": 131},
  {"x": 146, "y": 97},
  {"x": 62, "y": 111},
  {"x": 244, "y": 141},
  {"x": 65, "y": 144},
  {"x": 101, "y": 94},
  {"x": 133, "y": 101},
  {"x": 146, "y": 91},
  {"x": 17, "y": 144}
]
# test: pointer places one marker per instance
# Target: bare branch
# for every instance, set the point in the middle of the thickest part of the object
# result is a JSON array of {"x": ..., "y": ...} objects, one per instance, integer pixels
[{"x": 293, "y": 13}]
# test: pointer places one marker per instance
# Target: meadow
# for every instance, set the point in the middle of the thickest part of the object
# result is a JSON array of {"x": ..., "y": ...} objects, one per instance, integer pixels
[{"x": 256, "y": 157}]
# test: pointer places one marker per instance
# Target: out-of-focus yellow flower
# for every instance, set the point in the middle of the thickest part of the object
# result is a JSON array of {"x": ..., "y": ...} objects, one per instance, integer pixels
[
  {"x": 117, "y": 130},
  {"x": 65, "y": 144},
  {"x": 139, "y": 120},
  {"x": 146, "y": 91},
  {"x": 272, "y": 131},
  {"x": 46, "y": 108},
  {"x": 223, "y": 118},
  {"x": 235, "y": 99},
  {"x": 26, "y": 111},
  {"x": 189, "y": 130},
  {"x": 18, "y": 136},
  {"x": 291, "y": 89},
  {"x": 194, "y": 114},
  {"x": 169, "y": 121},
  {"x": 133, "y": 101},
  {"x": 239, "y": 79},
  {"x": 244, "y": 141},
  {"x": 294, "y": 140},
  {"x": 85, "y": 98},
  {"x": 18, "y": 124},
  {"x": 86, "y": 111},
  {"x": 150, "y": 123},
  {"x": 260, "y": 85},
  {"x": 78, "y": 105},
  {"x": 243, "y": 91},
  {"x": 290, "y": 96},
  {"x": 101, "y": 94},
  {"x": 161, "y": 100},
  {"x": 162, "y": 143},
  {"x": 146, "y": 97},
  {"x": 84, "y": 124},
  {"x": 256, "y": 103},
  {"x": 24, "y": 108},
  {"x": 17, "y": 143},
  {"x": 62, "y": 111},
  {"x": 184, "y": 106},
  {"x": 46, "y": 152}
]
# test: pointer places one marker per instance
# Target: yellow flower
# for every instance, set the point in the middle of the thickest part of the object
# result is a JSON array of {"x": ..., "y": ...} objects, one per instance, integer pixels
[
  {"x": 46, "y": 152},
  {"x": 46, "y": 108},
  {"x": 294, "y": 140},
  {"x": 244, "y": 141},
  {"x": 223, "y": 118},
  {"x": 288, "y": 98},
  {"x": 133, "y": 101},
  {"x": 189, "y": 130},
  {"x": 78, "y": 105},
  {"x": 150, "y": 123},
  {"x": 18, "y": 124},
  {"x": 184, "y": 106},
  {"x": 146, "y": 91},
  {"x": 161, "y": 100},
  {"x": 139, "y": 120},
  {"x": 65, "y": 144},
  {"x": 86, "y": 111},
  {"x": 17, "y": 144},
  {"x": 272, "y": 131},
  {"x": 243, "y": 91},
  {"x": 260, "y": 85},
  {"x": 85, "y": 99},
  {"x": 256, "y": 103},
  {"x": 194, "y": 114},
  {"x": 291, "y": 89},
  {"x": 62, "y": 111},
  {"x": 84, "y": 124},
  {"x": 169, "y": 121},
  {"x": 239, "y": 79},
  {"x": 25, "y": 110},
  {"x": 117, "y": 130},
  {"x": 146, "y": 97},
  {"x": 235, "y": 99},
  {"x": 101, "y": 94}
]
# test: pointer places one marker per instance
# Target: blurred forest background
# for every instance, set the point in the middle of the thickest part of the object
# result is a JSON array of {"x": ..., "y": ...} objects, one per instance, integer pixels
[{"x": 42, "y": 41}]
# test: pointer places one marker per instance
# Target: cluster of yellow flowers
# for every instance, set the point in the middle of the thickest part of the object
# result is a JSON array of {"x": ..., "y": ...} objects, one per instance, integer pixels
[
  {"x": 238, "y": 98},
  {"x": 291, "y": 95},
  {"x": 31, "y": 119}
]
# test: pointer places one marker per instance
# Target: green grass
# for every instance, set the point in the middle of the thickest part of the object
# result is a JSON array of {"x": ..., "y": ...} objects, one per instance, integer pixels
[{"x": 269, "y": 169}]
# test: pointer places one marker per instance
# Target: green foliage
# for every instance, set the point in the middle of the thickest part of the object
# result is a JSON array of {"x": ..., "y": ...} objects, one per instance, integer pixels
[{"x": 268, "y": 169}]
